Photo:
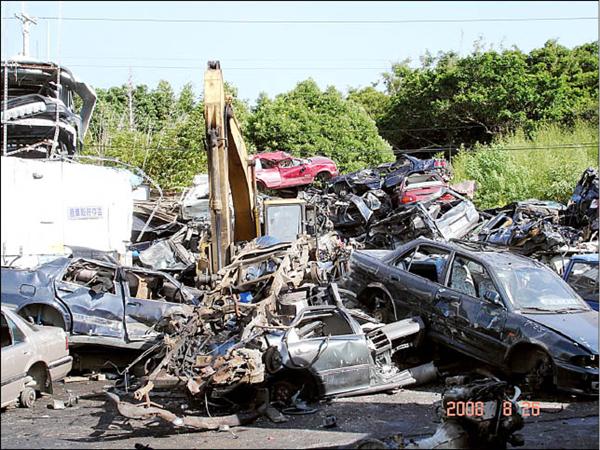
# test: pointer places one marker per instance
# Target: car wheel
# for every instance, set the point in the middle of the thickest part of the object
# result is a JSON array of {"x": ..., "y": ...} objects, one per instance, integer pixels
[
  {"x": 322, "y": 178},
  {"x": 27, "y": 397},
  {"x": 282, "y": 391},
  {"x": 540, "y": 374},
  {"x": 382, "y": 309}
]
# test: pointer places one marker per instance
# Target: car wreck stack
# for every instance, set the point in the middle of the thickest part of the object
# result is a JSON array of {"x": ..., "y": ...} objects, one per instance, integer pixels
[
  {"x": 273, "y": 330},
  {"x": 367, "y": 207}
]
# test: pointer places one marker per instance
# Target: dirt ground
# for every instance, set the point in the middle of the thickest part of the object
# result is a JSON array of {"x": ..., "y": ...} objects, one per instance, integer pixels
[{"x": 564, "y": 422}]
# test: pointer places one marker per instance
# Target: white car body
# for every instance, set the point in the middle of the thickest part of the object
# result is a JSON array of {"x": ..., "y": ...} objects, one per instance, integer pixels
[{"x": 33, "y": 356}]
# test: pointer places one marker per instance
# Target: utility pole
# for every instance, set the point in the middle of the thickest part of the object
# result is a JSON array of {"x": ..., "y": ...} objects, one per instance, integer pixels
[
  {"x": 130, "y": 101},
  {"x": 25, "y": 21},
  {"x": 47, "y": 40}
]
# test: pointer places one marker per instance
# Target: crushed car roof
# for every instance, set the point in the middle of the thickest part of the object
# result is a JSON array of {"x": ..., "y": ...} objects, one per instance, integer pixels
[{"x": 273, "y": 156}]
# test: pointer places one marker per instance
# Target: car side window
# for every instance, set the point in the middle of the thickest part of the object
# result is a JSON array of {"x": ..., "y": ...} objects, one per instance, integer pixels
[
  {"x": 322, "y": 325},
  {"x": 471, "y": 278},
  {"x": 15, "y": 335},
  {"x": 5, "y": 336},
  {"x": 425, "y": 261},
  {"x": 286, "y": 163},
  {"x": 584, "y": 279},
  {"x": 97, "y": 278}
]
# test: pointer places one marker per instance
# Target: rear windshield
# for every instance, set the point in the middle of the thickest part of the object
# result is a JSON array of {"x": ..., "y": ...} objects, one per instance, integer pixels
[{"x": 421, "y": 178}]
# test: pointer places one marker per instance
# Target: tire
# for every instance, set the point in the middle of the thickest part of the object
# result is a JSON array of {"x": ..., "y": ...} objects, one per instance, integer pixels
[
  {"x": 323, "y": 177},
  {"x": 539, "y": 377},
  {"x": 382, "y": 308},
  {"x": 27, "y": 397}
]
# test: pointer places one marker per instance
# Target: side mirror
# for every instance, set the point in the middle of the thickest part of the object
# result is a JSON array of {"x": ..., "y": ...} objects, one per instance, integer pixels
[{"x": 493, "y": 297}]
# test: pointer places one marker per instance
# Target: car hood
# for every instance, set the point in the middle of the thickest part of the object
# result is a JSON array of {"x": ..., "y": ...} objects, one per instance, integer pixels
[{"x": 581, "y": 327}]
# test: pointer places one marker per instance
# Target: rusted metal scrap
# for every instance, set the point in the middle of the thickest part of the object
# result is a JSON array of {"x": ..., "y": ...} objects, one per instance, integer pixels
[
  {"x": 143, "y": 412},
  {"x": 219, "y": 356}
]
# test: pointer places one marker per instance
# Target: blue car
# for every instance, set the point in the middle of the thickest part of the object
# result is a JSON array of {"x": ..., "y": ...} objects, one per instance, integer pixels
[{"x": 582, "y": 274}]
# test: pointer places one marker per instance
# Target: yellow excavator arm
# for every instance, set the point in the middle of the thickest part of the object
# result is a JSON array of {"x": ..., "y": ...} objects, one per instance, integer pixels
[{"x": 229, "y": 173}]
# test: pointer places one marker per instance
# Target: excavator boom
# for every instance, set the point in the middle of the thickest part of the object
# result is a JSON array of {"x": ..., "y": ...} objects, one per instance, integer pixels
[{"x": 229, "y": 172}]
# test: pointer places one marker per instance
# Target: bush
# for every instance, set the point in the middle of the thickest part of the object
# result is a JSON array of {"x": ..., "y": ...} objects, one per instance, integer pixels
[{"x": 546, "y": 167}]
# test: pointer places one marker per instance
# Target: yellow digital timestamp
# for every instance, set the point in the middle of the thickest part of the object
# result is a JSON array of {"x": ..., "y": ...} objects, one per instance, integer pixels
[{"x": 476, "y": 409}]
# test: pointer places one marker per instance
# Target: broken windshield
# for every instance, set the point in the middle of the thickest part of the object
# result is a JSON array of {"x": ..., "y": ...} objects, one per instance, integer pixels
[{"x": 538, "y": 289}]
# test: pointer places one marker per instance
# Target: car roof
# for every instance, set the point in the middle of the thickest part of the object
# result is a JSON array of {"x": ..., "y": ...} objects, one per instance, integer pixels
[
  {"x": 274, "y": 156},
  {"x": 586, "y": 257},
  {"x": 480, "y": 251}
]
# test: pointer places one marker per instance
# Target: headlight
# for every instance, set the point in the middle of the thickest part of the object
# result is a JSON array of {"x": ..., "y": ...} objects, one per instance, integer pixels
[{"x": 585, "y": 360}]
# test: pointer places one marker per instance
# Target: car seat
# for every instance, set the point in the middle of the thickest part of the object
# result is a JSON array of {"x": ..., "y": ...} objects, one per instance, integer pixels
[
  {"x": 486, "y": 285},
  {"x": 462, "y": 280}
]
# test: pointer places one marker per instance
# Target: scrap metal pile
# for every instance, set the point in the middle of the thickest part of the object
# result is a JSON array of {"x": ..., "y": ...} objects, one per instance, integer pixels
[
  {"x": 394, "y": 203},
  {"x": 273, "y": 330},
  {"x": 385, "y": 207}
]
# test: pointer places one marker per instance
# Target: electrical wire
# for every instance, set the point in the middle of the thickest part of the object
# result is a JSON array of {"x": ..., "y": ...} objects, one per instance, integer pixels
[
  {"x": 568, "y": 146},
  {"x": 314, "y": 21},
  {"x": 122, "y": 66}
]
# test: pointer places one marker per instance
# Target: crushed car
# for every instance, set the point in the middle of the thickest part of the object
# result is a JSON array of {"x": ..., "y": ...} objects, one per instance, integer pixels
[
  {"x": 502, "y": 309},
  {"x": 582, "y": 209},
  {"x": 277, "y": 170},
  {"x": 39, "y": 112},
  {"x": 273, "y": 331},
  {"x": 97, "y": 302},
  {"x": 338, "y": 353},
  {"x": 33, "y": 357},
  {"x": 446, "y": 215}
]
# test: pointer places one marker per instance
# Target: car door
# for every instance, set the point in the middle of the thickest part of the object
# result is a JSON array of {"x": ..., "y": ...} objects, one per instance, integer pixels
[
  {"x": 292, "y": 172},
  {"x": 414, "y": 279},
  {"x": 475, "y": 309},
  {"x": 326, "y": 343},
  {"x": 16, "y": 354},
  {"x": 95, "y": 299}
]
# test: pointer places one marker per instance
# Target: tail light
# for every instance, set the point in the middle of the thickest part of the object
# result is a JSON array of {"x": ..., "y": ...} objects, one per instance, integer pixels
[
  {"x": 66, "y": 342},
  {"x": 408, "y": 199}
]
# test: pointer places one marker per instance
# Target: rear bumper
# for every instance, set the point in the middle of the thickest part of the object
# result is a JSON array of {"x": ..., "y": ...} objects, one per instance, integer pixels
[
  {"x": 60, "y": 368},
  {"x": 575, "y": 379}
]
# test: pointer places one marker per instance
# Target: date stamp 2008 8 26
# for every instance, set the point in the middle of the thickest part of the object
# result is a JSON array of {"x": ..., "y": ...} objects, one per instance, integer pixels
[{"x": 477, "y": 409}]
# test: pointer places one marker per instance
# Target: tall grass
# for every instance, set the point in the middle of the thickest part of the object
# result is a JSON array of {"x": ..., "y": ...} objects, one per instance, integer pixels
[{"x": 545, "y": 166}]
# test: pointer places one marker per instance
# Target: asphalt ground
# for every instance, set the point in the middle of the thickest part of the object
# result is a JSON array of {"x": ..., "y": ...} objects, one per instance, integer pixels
[{"x": 564, "y": 422}]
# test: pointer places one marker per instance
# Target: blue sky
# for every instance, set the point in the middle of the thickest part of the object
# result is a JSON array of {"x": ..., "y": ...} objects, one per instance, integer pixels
[{"x": 274, "y": 57}]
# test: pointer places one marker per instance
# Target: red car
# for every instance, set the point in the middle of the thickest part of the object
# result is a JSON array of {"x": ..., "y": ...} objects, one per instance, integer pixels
[
  {"x": 279, "y": 170},
  {"x": 419, "y": 186}
]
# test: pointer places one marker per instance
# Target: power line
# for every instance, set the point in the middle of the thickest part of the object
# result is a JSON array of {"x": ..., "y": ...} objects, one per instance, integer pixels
[
  {"x": 196, "y": 58},
  {"x": 569, "y": 146},
  {"x": 102, "y": 66},
  {"x": 573, "y": 146},
  {"x": 312, "y": 21},
  {"x": 460, "y": 127}
]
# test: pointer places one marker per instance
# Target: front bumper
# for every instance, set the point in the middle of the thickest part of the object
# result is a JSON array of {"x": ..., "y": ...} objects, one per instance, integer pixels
[{"x": 576, "y": 379}]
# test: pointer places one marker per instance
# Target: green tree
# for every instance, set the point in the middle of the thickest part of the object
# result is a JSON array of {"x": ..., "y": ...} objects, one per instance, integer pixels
[
  {"x": 450, "y": 101},
  {"x": 307, "y": 121},
  {"x": 373, "y": 101}
]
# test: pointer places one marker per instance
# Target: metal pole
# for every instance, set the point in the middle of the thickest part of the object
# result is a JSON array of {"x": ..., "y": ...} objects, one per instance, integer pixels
[
  {"x": 130, "y": 101},
  {"x": 25, "y": 21},
  {"x": 47, "y": 40},
  {"x": 4, "y": 113}
]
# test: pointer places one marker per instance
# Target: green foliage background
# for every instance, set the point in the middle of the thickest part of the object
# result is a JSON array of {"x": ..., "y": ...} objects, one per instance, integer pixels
[
  {"x": 307, "y": 121},
  {"x": 526, "y": 124}
]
